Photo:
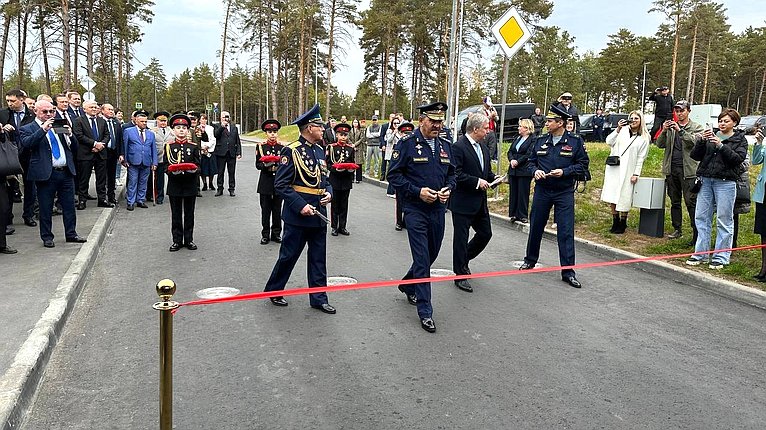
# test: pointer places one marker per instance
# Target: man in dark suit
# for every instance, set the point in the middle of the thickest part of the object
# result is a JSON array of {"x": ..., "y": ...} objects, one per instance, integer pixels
[
  {"x": 92, "y": 140},
  {"x": 52, "y": 169},
  {"x": 11, "y": 120},
  {"x": 228, "y": 149},
  {"x": 75, "y": 109},
  {"x": 113, "y": 150},
  {"x": 329, "y": 137},
  {"x": 468, "y": 204}
]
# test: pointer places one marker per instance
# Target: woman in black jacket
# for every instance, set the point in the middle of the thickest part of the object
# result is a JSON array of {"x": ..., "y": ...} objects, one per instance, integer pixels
[
  {"x": 720, "y": 156},
  {"x": 519, "y": 176}
]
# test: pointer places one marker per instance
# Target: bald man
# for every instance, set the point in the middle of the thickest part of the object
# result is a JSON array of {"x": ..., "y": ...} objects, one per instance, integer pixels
[{"x": 92, "y": 142}]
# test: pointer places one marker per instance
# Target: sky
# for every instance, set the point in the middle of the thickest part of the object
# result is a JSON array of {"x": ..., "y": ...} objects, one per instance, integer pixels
[{"x": 185, "y": 37}]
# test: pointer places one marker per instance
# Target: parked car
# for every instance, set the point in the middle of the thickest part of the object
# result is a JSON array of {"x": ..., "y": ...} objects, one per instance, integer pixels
[
  {"x": 750, "y": 124},
  {"x": 586, "y": 125},
  {"x": 513, "y": 113}
]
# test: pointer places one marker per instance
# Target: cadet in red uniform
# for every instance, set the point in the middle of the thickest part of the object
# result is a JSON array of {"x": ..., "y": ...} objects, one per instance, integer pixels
[
  {"x": 267, "y": 161},
  {"x": 340, "y": 161},
  {"x": 183, "y": 158}
]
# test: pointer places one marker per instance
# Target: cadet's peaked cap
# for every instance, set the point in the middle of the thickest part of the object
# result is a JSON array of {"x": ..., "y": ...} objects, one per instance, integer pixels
[
  {"x": 311, "y": 115},
  {"x": 161, "y": 113},
  {"x": 555, "y": 112},
  {"x": 406, "y": 127},
  {"x": 271, "y": 125},
  {"x": 435, "y": 111},
  {"x": 180, "y": 119},
  {"x": 342, "y": 127}
]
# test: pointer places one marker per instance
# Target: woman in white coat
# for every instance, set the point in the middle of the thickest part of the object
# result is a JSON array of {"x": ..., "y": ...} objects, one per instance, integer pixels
[{"x": 630, "y": 144}]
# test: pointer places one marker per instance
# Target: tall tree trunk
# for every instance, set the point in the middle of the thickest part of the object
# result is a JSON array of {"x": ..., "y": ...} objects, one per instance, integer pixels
[
  {"x": 118, "y": 88},
  {"x": 89, "y": 38},
  {"x": 4, "y": 46},
  {"x": 384, "y": 81},
  {"x": 690, "y": 81},
  {"x": 707, "y": 73},
  {"x": 330, "y": 43},
  {"x": 223, "y": 52},
  {"x": 66, "y": 53},
  {"x": 394, "y": 106},
  {"x": 76, "y": 50},
  {"x": 46, "y": 67},
  {"x": 272, "y": 82},
  {"x": 675, "y": 56},
  {"x": 760, "y": 93},
  {"x": 301, "y": 62}
]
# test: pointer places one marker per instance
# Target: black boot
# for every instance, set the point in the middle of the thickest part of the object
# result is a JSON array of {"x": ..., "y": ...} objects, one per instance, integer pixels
[
  {"x": 615, "y": 223},
  {"x": 622, "y": 224},
  {"x": 212, "y": 187}
]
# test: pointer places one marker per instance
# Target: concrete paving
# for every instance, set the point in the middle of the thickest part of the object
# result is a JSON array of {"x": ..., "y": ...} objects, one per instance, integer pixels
[{"x": 640, "y": 346}]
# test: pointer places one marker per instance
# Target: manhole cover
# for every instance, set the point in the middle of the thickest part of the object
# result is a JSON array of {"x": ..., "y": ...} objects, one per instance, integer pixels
[
  {"x": 340, "y": 280},
  {"x": 217, "y": 292},
  {"x": 517, "y": 264},
  {"x": 440, "y": 273}
]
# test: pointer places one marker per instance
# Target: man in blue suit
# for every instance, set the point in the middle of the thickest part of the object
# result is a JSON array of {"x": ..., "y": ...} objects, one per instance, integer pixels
[
  {"x": 51, "y": 166},
  {"x": 139, "y": 156}
]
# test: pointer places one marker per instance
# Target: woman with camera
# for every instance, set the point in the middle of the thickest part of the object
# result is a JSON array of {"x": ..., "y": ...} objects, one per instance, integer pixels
[
  {"x": 720, "y": 155},
  {"x": 629, "y": 144},
  {"x": 519, "y": 176}
]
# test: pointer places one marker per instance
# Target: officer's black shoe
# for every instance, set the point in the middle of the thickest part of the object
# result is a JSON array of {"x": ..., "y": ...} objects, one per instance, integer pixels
[
  {"x": 324, "y": 307},
  {"x": 81, "y": 205},
  {"x": 464, "y": 285},
  {"x": 428, "y": 325},
  {"x": 572, "y": 281},
  {"x": 219, "y": 193},
  {"x": 278, "y": 301},
  {"x": 9, "y": 230},
  {"x": 30, "y": 222},
  {"x": 466, "y": 270},
  {"x": 343, "y": 231},
  {"x": 411, "y": 298},
  {"x": 334, "y": 232},
  {"x": 174, "y": 247},
  {"x": 264, "y": 241},
  {"x": 89, "y": 197},
  {"x": 192, "y": 246},
  {"x": 526, "y": 266},
  {"x": 130, "y": 207},
  {"x": 276, "y": 239},
  {"x": 142, "y": 205},
  {"x": 398, "y": 227},
  {"x": 231, "y": 193}
]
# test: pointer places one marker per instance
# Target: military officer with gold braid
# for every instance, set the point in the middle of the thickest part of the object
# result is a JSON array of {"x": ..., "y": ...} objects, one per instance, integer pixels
[{"x": 302, "y": 182}]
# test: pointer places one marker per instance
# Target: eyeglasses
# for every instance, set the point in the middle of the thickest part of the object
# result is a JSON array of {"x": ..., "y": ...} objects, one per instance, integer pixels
[
  {"x": 396, "y": 123},
  {"x": 52, "y": 111},
  {"x": 566, "y": 98},
  {"x": 227, "y": 117}
]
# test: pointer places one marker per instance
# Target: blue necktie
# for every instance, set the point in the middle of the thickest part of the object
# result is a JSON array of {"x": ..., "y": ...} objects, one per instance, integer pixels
[
  {"x": 477, "y": 148},
  {"x": 93, "y": 127},
  {"x": 54, "y": 144}
]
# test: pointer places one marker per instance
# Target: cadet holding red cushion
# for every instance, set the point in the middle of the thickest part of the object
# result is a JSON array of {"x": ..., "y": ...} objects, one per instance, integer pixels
[
  {"x": 267, "y": 161},
  {"x": 183, "y": 158},
  {"x": 340, "y": 160}
]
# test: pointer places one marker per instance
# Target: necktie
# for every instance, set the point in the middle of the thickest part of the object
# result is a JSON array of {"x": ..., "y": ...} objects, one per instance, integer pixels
[
  {"x": 54, "y": 144},
  {"x": 111, "y": 134},
  {"x": 477, "y": 148},
  {"x": 19, "y": 117},
  {"x": 93, "y": 127},
  {"x": 141, "y": 133}
]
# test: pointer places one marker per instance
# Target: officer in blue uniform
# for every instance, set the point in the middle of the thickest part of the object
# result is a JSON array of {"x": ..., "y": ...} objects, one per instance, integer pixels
[
  {"x": 302, "y": 183},
  {"x": 423, "y": 175},
  {"x": 556, "y": 158}
]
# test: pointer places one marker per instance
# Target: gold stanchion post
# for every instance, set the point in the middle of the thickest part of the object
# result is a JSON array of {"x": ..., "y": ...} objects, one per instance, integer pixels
[{"x": 165, "y": 289}]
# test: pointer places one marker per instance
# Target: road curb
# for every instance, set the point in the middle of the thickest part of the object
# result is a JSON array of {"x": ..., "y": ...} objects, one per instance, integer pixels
[
  {"x": 19, "y": 383},
  {"x": 680, "y": 275}
]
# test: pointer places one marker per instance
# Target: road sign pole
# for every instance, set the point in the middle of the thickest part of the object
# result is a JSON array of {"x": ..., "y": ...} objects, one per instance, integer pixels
[{"x": 502, "y": 127}]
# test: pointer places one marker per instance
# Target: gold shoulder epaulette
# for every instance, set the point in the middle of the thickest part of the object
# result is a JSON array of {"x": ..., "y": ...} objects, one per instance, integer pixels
[{"x": 295, "y": 144}]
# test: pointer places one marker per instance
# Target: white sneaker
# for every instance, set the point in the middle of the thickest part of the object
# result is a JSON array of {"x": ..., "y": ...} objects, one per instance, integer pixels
[
  {"x": 715, "y": 265},
  {"x": 392, "y": 196},
  {"x": 693, "y": 262}
]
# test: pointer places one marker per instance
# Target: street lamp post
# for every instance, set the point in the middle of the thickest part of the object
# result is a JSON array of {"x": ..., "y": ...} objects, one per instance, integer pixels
[
  {"x": 643, "y": 89},
  {"x": 547, "y": 78}
]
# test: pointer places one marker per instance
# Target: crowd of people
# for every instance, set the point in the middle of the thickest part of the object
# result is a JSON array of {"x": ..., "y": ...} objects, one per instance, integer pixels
[{"x": 62, "y": 141}]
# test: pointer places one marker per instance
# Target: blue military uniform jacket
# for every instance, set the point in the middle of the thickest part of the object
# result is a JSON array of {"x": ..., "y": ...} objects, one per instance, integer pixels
[
  {"x": 414, "y": 166},
  {"x": 302, "y": 179},
  {"x": 568, "y": 154}
]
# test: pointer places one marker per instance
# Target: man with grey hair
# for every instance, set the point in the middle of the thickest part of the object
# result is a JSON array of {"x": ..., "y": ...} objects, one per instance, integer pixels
[
  {"x": 228, "y": 149},
  {"x": 468, "y": 204},
  {"x": 92, "y": 140}
]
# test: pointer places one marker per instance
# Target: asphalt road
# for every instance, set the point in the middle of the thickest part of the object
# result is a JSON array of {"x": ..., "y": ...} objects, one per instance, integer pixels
[{"x": 629, "y": 350}]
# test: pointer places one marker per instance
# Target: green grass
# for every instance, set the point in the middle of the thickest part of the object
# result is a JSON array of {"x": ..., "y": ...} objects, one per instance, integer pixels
[
  {"x": 593, "y": 219},
  {"x": 287, "y": 134}
]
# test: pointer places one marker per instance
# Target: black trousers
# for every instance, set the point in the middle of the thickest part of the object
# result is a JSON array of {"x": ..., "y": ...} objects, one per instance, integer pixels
[
  {"x": 339, "y": 209},
  {"x": 678, "y": 187},
  {"x": 358, "y": 173},
  {"x": 271, "y": 216},
  {"x": 111, "y": 173},
  {"x": 518, "y": 200},
  {"x": 464, "y": 250},
  {"x": 84, "y": 169},
  {"x": 226, "y": 162},
  {"x": 30, "y": 190},
  {"x": 4, "y": 205},
  {"x": 182, "y": 219},
  {"x": 399, "y": 205}
]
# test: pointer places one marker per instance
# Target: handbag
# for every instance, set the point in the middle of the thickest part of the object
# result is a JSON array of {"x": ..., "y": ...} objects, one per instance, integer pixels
[
  {"x": 614, "y": 160},
  {"x": 697, "y": 185},
  {"x": 9, "y": 160},
  {"x": 743, "y": 192}
]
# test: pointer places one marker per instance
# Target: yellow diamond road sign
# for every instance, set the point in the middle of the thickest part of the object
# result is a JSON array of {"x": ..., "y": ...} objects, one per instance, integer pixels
[{"x": 511, "y": 32}]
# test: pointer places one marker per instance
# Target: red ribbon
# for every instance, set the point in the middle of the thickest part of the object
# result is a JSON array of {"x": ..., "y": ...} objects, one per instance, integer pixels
[{"x": 377, "y": 284}]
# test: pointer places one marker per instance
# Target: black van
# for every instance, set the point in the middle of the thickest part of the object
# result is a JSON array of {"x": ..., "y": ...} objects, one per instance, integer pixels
[{"x": 513, "y": 113}]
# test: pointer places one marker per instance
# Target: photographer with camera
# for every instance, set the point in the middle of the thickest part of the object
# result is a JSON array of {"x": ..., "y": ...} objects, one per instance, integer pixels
[
  {"x": 630, "y": 144},
  {"x": 663, "y": 108}
]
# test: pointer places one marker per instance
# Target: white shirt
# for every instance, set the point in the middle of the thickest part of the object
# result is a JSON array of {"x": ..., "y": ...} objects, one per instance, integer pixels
[{"x": 57, "y": 162}]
